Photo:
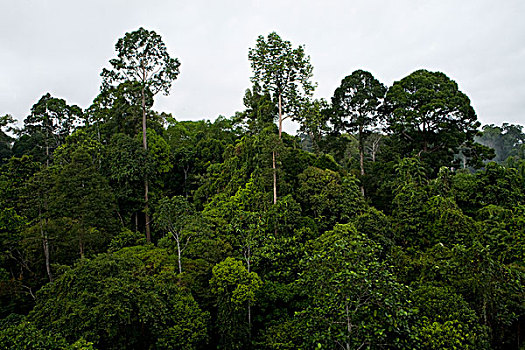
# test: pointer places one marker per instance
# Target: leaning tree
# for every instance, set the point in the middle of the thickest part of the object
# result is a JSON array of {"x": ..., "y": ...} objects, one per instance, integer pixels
[{"x": 142, "y": 57}]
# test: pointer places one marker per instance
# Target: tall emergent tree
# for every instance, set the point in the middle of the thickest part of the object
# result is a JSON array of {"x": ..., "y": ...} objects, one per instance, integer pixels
[
  {"x": 284, "y": 73},
  {"x": 430, "y": 117},
  {"x": 356, "y": 107},
  {"x": 142, "y": 57}
]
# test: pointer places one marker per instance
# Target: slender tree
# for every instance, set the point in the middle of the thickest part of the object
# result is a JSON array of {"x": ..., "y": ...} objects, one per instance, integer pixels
[
  {"x": 142, "y": 57},
  {"x": 356, "y": 107},
  {"x": 177, "y": 217},
  {"x": 285, "y": 73}
]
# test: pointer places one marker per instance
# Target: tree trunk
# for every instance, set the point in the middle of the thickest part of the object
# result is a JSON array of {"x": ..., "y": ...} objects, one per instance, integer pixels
[
  {"x": 146, "y": 187},
  {"x": 274, "y": 179},
  {"x": 146, "y": 210},
  {"x": 47, "y": 148},
  {"x": 280, "y": 117},
  {"x": 45, "y": 245},
  {"x": 249, "y": 320},
  {"x": 186, "y": 170},
  {"x": 81, "y": 248},
  {"x": 179, "y": 254},
  {"x": 361, "y": 158},
  {"x": 348, "y": 325},
  {"x": 274, "y": 155}
]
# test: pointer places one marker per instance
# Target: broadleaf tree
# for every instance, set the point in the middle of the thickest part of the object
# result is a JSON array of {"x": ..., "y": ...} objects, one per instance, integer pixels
[
  {"x": 50, "y": 122},
  {"x": 142, "y": 57},
  {"x": 286, "y": 74},
  {"x": 356, "y": 105},
  {"x": 430, "y": 117}
]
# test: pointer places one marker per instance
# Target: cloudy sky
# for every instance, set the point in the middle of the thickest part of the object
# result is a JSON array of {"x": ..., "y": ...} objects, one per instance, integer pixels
[{"x": 61, "y": 46}]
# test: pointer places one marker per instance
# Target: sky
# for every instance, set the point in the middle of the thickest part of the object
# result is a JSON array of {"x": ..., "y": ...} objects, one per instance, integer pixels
[{"x": 61, "y": 46}]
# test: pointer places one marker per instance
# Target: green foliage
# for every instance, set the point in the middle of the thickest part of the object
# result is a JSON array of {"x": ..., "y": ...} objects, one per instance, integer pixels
[
  {"x": 314, "y": 119},
  {"x": 505, "y": 140},
  {"x": 18, "y": 333},
  {"x": 356, "y": 102},
  {"x": 142, "y": 57},
  {"x": 5, "y": 139},
  {"x": 117, "y": 109},
  {"x": 195, "y": 146},
  {"x": 282, "y": 71},
  {"x": 177, "y": 219},
  {"x": 126, "y": 299},
  {"x": 353, "y": 298},
  {"x": 260, "y": 111},
  {"x": 126, "y": 238},
  {"x": 500, "y": 186},
  {"x": 432, "y": 258},
  {"x": 50, "y": 122},
  {"x": 328, "y": 197},
  {"x": 83, "y": 195},
  {"x": 457, "y": 328},
  {"x": 430, "y": 117},
  {"x": 356, "y": 108},
  {"x": 494, "y": 291},
  {"x": 158, "y": 154},
  {"x": 235, "y": 289},
  {"x": 124, "y": 165},
  {"x": 24, "y": 335},
  {"x": 80, "y": 139}
]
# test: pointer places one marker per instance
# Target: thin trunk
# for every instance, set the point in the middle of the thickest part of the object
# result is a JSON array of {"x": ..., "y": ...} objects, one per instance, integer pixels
[
  {"x": 485, "y": 321},
  {"x": 47, "y": 148},
  {"x": 45, "y": 241},
  {"x": 274, "y": 155},
  {"x": 136, "y": 222},
  {"x": 274, "y": 179},
  {"x": 361, "y": 158},
  {"x": 146, "y": 187},
  {"x": 280, "y": 117},
  {"x": 315, "y": 145},
  {"x": 45, "y": 244},
  {"x": 185, "y": 169},
  {"x": 81, "y": 248},
  {"x": 247, "y": 257},
  {"x": 144, "y": 140},
  {"x": 348, "y": 325},
  {"x": 179, "y": 254},
  {"x": 249, "y": 320},
  {"x": 146, "y": 210},
  {"x": 120, "y": 218},
  {"x": 375, "y": 147}
]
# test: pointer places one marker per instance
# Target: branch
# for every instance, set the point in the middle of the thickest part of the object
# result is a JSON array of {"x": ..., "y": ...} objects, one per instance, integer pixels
[{"x": 30, "y": 291}]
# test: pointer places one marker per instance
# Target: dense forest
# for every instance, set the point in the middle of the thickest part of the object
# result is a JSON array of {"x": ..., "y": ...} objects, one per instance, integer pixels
[{"x": 392, "y": 220}]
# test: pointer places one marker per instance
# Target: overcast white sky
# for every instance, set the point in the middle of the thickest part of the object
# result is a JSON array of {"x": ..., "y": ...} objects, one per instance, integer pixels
[{"x": 61, "y": 46}]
